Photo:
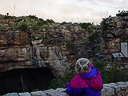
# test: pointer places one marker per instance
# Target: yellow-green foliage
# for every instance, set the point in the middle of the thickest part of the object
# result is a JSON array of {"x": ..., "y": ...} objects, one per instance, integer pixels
[{"x": 72, "y": 30}]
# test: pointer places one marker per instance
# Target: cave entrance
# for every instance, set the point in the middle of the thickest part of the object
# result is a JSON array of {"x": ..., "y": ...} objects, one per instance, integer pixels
[{"x": 25, "y": 80}]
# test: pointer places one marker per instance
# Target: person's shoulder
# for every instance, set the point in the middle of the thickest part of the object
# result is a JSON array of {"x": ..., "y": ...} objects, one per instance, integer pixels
[
  {"x": 76, "y": 79},
  {"x": 78, "y": 82},
  {"x": 75, "y": 82}
]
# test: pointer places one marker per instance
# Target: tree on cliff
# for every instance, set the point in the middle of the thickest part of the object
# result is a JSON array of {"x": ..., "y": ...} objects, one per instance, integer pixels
[
  {"x": 104, "y": 25},
  {"x": 87, "y": 26}
]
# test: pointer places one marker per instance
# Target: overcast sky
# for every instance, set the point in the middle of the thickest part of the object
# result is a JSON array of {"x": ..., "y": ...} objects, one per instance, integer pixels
[{"x": 64, "y": 10}]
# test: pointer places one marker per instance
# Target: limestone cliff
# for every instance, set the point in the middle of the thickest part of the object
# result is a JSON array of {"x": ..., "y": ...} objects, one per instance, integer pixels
[{"x": 50, "y": 46}]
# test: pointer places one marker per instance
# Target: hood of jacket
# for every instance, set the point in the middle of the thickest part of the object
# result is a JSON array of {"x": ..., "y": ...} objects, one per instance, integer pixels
[{"x": 94, "y": 79}]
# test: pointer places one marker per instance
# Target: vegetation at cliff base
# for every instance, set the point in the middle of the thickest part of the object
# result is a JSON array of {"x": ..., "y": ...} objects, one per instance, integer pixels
[
  {"x": 62, "y": 81},
  {"x": 115, "y": 73}
]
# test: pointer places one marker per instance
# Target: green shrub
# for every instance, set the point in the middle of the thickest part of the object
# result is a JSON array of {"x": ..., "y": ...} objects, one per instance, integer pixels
[
  {"x": 35, "y": 26},
  {"x": 34, "y": 90},
  {"x": 63, "y": 23},
  {"x": 33, "y": 17},
  {"x": 62, "y": 80},
  {"x": 47, "y": 37},
  {"x": 40, "y": 23},
  {"x": 14, "y": 27},
  {"x": 1, "y": 16},
  {"x": 100, "y": 64},
  {"x": 19, "y": 19},
  {"x": 90, "y": 29},
  {"x": 104, "y": 25},
  {"x": 93, "y": 37},
  {"x": 50, "y": 21},
  {"x": 85, "y": 25},
  {"x": 72, "y": 30},
  {"x": 97, "y": 49},
  {"x": 80, "y": 29},
  {"x": 8, "y": 17},
  {"x": 70, "y": 45},
  {"x": 46, "y": 27},
  {"x": 23, "y": 27},
  {"x": 115, "y": 73}
]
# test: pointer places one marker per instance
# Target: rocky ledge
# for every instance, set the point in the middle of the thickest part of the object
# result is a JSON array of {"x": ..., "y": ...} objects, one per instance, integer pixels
[{"x": 111, "y": 89}]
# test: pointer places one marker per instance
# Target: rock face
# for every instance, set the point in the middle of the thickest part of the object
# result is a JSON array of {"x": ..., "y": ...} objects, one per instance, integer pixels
[
  {"x": 42, "y": 48},
  {"x": 115, "y": 33},
  {"x": 48, "y": 46}
]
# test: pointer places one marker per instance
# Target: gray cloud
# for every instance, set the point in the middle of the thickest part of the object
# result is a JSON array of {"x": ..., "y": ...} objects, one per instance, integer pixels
[{"x": 109, "y": 3}]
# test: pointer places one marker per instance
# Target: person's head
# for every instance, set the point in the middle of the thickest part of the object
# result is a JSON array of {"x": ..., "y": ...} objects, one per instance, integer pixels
[{"x": 82, "y": 65}]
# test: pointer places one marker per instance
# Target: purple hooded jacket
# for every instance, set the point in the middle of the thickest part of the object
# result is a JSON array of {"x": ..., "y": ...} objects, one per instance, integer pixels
[{"x": 86, "y": 84}]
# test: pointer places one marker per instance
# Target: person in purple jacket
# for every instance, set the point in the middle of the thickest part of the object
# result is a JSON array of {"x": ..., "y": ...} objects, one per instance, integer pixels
[{"x": 88, "y": 82}]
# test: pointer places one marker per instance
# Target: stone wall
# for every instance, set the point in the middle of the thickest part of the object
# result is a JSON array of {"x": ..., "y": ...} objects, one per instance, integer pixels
[
  {"x": 115, "y": 89},
  {"x": 111, "y": 89}
]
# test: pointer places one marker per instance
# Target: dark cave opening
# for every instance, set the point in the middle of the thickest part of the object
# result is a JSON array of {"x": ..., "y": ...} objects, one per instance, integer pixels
[{"x": 25, "y": 80}]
